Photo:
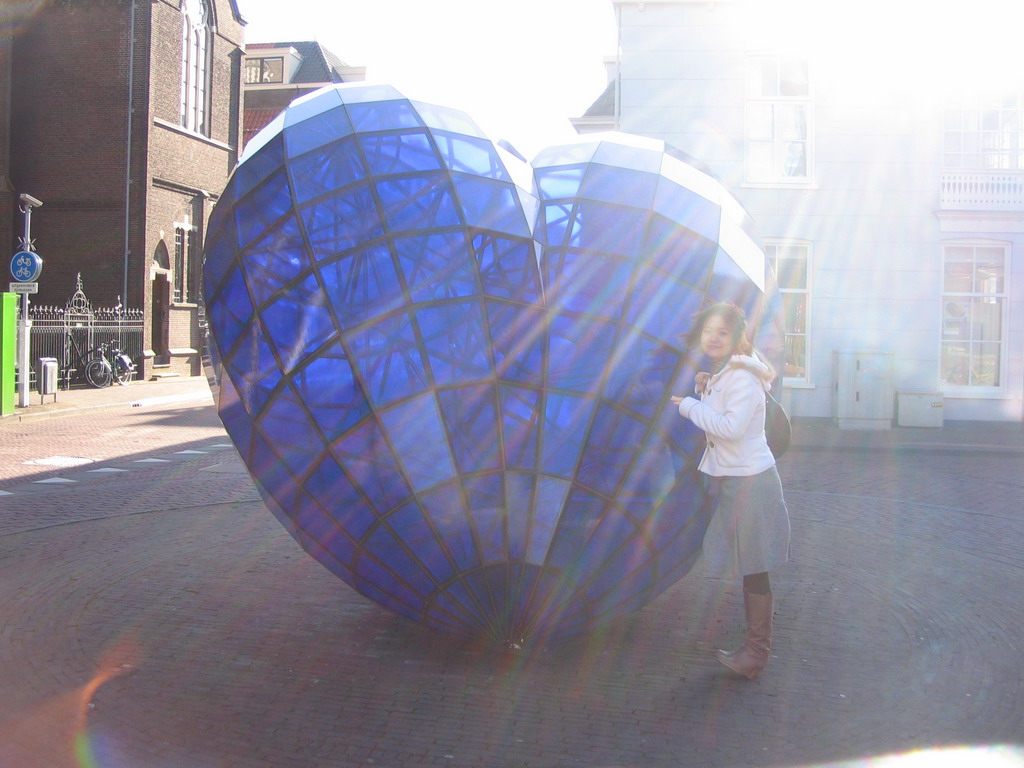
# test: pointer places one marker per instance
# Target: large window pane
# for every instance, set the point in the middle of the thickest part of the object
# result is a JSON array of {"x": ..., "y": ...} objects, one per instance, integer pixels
[{"x": 973, "y": 314}]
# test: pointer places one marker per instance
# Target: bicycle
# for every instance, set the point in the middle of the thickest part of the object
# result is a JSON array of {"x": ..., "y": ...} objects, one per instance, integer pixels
[{"x": 104, "y": 364}]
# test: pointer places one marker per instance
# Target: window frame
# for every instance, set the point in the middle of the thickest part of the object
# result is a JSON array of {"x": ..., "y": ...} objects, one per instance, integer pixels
[
  {"x": 262, "y": 61},
  {"x": 772, "y": 247},
  {"x": 988, "y": 134},
  {"x": 948, "y": 296},
  {"x": 184, "y": 287},
  {"x": 756, "y": 99},
  {"x": 196, "y": 72}
]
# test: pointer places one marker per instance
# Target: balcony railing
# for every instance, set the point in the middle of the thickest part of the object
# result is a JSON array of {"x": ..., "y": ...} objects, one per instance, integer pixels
[{"x": 982, "y": 191}]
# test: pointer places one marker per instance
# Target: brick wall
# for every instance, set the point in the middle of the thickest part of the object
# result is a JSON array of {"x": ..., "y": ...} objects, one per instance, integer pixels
[{"x": 69, "y": 143}]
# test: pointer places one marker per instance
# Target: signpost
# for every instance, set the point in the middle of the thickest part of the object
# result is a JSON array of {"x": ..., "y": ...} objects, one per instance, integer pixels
[{"x": 26, "y": 266}]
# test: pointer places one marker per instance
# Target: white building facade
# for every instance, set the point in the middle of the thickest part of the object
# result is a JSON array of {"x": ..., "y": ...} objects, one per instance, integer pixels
[{"x": 894, "y": 215}]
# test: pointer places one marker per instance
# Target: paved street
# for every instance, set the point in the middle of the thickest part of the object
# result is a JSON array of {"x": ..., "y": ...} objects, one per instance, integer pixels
[{"x": 156, "y": 615}]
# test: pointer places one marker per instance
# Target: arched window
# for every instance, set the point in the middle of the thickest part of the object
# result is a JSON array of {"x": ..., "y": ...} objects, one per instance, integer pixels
[{"x": 195, "y": 71}]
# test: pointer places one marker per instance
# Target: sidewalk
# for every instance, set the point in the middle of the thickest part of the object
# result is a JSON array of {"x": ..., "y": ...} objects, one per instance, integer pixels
[
  {"x": 808, "y": 434},
  {"x": 169, "y": 390}
]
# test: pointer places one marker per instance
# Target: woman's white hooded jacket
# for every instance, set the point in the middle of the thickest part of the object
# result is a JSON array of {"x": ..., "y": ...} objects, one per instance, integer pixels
[{"x": 731, "y": 413}]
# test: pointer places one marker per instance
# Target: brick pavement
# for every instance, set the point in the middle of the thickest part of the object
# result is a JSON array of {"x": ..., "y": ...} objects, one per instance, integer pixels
[{"x": 183, "y": 627}]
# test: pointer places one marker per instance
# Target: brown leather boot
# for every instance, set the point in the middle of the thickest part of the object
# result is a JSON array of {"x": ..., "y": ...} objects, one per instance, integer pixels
[{"x": 753, "y": 656}]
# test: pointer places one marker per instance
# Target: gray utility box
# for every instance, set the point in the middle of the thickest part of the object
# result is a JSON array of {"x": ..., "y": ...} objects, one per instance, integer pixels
[
  {"x": 47, "y": 376},
  {"x": 919, "y": 409}
]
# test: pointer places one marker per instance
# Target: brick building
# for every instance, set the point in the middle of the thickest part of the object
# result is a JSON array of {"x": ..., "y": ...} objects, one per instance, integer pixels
[{"x": 124, "y": 118}]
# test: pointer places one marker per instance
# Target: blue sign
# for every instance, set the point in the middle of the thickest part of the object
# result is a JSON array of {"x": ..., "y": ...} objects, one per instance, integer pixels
[{"x": 26, "y": 266}]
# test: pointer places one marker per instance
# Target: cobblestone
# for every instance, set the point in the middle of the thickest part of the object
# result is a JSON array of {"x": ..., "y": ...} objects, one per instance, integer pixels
[{"x": 161, "y": 616}]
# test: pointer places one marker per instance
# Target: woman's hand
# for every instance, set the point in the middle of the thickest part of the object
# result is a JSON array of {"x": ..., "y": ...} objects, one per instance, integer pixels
[
  {"x": 676, "y": 400},
  {"x": 702, "y": 382}
]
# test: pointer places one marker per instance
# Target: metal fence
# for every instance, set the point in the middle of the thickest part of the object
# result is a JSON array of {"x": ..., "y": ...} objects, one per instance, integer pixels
[{"x": 69, "y": 333}]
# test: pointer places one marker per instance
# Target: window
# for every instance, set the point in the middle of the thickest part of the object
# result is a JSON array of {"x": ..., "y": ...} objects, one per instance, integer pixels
[
  {"x": 268, "y": 70},
  {"x": 194, "y": 66},
  {"x": 185, "y": 263},
  {"x": 791, "y": 262},
  {"x": 973, "y": 314},
  {"x": 988, "y": 135},
  {"x": 778, "y": 121}
]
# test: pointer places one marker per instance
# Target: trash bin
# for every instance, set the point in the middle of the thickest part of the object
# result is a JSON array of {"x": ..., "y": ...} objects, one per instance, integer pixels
[{"x": 46, "y": 377}]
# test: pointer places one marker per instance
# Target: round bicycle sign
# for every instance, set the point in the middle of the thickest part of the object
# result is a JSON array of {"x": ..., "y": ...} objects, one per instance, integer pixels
[{"x": 26, "y": 266}]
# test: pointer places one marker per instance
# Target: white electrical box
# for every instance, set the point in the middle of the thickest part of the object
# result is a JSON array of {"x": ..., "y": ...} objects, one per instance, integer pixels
[
  {"x": 863, "y": 396},
  {"x": 919, "y": 409}
]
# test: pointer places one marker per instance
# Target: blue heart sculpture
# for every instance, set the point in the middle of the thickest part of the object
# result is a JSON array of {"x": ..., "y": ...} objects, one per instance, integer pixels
[{"x": 448, "y": 372}]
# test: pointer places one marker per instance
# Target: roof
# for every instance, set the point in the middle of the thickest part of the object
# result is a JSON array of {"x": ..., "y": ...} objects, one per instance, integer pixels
[
  {"x": 605, "y": 104},
  {"x": 318, "y": 64},
  {"x": 253, "y": 120}
]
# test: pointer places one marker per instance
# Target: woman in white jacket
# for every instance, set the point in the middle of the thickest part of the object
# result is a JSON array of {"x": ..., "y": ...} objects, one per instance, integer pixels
[{"x": 749, "y": 531}]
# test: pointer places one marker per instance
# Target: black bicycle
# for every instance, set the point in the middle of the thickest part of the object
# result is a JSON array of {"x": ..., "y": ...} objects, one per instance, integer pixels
[{"x": 104, "y": 364}]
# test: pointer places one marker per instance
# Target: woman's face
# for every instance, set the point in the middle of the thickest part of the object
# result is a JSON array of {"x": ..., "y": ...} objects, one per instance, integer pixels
[{"x": 716, "y": 338}]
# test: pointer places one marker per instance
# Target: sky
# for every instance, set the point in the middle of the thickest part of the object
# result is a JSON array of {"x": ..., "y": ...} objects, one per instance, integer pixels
[{"x": 519, "y": 68}]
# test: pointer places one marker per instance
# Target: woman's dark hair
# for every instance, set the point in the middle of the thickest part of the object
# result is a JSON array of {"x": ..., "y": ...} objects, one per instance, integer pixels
[{"x": 734, "y": 320}]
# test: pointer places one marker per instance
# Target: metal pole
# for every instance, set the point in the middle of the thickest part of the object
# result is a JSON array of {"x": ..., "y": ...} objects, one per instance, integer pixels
[{"x": 24, "y": 325}]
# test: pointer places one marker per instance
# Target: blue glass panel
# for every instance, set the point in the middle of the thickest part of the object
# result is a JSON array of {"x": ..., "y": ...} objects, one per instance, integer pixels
[
  {"x": 454, "y": 339},
  {"x": 231, "y": 312},
  {"x": 519, "y": 506},
  {"x": 681, "y": 253},
  {"x": 328, "y": 388},
  {"x": 579, "y": 517},
  {"x": 613, "y": 549},
  {"x": 266, "y": 269},
  {"x": 689, "y": 209},
  {"x": 517, "y": 340},
  {"x": 520, "y": 425},
  {"x": 423, "y": 202},
  {"x": 313, "y": 104},
  {"x": 464, "y": 154},
  {"x": 414, "y": 529},
  {"x": 447, "y": 119},
  {"x": 383, "y": 116},
  {"x": 221, "y": 250},
  {"x": 491, "y": 205},
  {"x": 253, "y": 367},
  {"x": 366, "y": 455},
  {"x": 325, "y": 172},
  {"x": 609, "y": 228},
  {"x": 317, "y": 132},
  {"x": 662, "y": 307},
  {"x": 338, "y": 223},
  {"x": 578, "y": 350},
  {"x": 387, "y": 357},
  {"x": 612, "y": 446},
  {"x": 560, "y": 227},
  {"x": 445, "y": 508},
  {"x": 384, "y": 585},
  {"x": 581, "y": 152},
  {"x": 558, "y": 183},
  {"x": 616, "y": 185},
  {"x": 336, "y": 494},
  {"x": 285, "y": 423},
  {"x": 471, "y": 424},
  {"x": 412, "y": 428},
  {"x": 641, "y": 375},
  {"x": 485, "y": 499},
  {"x": 361, "y": 284},
  {"x": 565, "y": 425},
  {"x": 399, "y": 153},
  {"x": 258, "y": 210},
  {"x": 258, "y": 168},
  {"x": 436, "y": 266},
  {"x": 388, "y": 548},
  {"x": 297, "y": 323},
  {"x": 647, "y": 158},
  {"x": 586, "y": 282},
  {"x": 508, "y": 268}
]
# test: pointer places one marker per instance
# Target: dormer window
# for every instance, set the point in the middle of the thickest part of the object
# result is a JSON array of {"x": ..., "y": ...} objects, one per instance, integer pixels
[{"x": 264, "y": 70}]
